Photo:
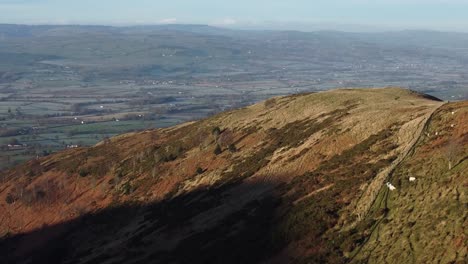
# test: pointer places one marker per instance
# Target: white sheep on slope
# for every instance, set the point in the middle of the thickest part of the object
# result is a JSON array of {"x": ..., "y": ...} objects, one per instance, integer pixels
[
  {"x": 412, "y": 179},
  {"x": 390, "y": 186}
]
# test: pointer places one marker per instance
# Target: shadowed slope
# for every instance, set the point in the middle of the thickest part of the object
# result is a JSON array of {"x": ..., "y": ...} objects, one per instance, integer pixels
[{"x": 151, "y": 233}]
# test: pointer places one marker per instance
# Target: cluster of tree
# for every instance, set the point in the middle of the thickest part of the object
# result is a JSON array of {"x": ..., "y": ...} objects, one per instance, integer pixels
[
  {"x": 80, "y": 109},
  {"x": 11, "y": 132},
  {"x": 152, "y": 100}
]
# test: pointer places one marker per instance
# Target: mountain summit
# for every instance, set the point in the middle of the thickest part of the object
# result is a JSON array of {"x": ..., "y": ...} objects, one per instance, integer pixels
[{"x": 343, "y": 176}]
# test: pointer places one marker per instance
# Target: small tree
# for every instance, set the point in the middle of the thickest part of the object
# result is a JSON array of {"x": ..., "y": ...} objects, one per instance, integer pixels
[
  {"x": 127, "y": 188},
  {"x": 83, "y": 173},
  {"x": 9, "y": 199},
  {"x": 218, "y": 150},
  {"x": 216, "y": 132},
  {"x": 232, "y": 148}
]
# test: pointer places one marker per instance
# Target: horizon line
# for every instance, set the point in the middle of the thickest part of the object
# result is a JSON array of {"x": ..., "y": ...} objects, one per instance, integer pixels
[{"x": 246, "y": 27}]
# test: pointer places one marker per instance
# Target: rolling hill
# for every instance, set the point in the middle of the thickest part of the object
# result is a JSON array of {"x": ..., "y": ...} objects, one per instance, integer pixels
[{"x": 294, "y": 179}]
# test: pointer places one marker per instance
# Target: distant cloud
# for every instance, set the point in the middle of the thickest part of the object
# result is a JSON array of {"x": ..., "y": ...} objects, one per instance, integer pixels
[
  {"x": 227, "y": 22},
  {"x": 284, "y": 15},
  {"x": 168, "y": 21}
]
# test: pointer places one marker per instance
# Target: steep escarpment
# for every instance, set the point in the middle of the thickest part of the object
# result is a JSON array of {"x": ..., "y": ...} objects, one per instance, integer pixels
[{"x": 292, "y": 179}]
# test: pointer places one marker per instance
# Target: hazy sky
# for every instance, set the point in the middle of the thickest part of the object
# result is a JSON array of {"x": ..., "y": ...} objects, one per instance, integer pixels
[{"x": 296, "y": 14}]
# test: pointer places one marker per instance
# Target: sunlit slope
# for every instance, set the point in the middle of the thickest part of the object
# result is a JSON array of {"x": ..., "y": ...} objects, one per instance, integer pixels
[
  {"x": 290, "y": 179},
  {"x": 425, "y": 220}
]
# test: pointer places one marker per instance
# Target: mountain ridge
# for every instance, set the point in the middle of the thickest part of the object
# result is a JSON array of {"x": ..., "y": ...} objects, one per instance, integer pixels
[{"x": 296, "y": 178}]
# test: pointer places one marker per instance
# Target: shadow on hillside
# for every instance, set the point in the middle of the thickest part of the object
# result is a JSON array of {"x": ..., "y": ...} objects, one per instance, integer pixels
[{"x": 228, "y": 224}]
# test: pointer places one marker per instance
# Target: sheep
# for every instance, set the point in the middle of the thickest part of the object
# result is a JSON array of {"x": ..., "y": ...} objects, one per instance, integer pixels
[
  {"x": 412, "y": 179},
  {"x": 390, "y": 186}
]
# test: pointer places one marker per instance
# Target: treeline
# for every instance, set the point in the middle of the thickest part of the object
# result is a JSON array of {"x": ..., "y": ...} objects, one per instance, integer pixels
[{"x": 152, "y": 100}]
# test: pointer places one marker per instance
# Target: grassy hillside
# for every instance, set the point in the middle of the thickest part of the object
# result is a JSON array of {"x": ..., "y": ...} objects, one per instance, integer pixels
[
  {"x": 295, "y": 179},
  {"x": 426, "y": 220}
]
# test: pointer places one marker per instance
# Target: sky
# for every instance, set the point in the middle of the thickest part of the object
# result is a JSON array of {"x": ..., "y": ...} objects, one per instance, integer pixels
[{"x": 306, "y": 15}]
